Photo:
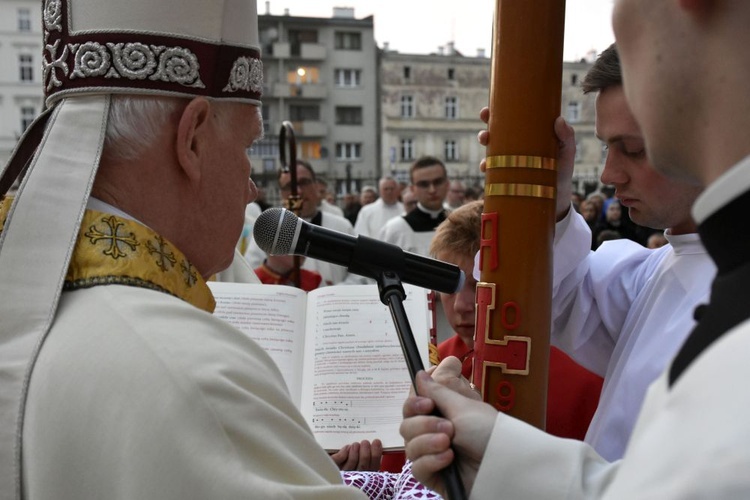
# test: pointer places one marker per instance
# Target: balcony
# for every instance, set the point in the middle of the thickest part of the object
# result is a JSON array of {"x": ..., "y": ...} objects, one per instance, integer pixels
[
  {"x": 279, "y": 50},
  {"x": 313, "y": 51},
  {"x": 305, "y": 128},
  {"x": 303, "y": 90},
  {"x": 310, "y": 128},
  {"x": 296, "y": 50}
]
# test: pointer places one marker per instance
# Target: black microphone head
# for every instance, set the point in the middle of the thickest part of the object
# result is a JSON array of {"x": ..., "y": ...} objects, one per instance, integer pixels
[{"x": 276, "y": 231}]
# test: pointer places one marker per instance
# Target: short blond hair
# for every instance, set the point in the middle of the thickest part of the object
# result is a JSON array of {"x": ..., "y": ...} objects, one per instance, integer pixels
[{"x": 459, "y": 233}]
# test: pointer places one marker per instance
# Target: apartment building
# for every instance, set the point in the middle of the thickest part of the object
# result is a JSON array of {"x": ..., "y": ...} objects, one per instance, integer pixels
[
  {"x": 430, "y": 106},
  {"x": 21, "y": 95},
  {"x": 321, "y": 75}
]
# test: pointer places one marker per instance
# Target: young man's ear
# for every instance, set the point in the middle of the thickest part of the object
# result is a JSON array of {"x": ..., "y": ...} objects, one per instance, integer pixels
[{"x": 192, "y": 136}]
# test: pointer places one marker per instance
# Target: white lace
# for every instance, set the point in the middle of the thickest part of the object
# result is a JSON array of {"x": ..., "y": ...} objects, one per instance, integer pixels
[{"x": 388, "y": 485}]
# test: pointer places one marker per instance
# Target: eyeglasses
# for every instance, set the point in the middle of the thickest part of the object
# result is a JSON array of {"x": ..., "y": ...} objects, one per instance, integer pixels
[
  {"x": 302, "y": 182},
  {"x": 434, "y": 182}
]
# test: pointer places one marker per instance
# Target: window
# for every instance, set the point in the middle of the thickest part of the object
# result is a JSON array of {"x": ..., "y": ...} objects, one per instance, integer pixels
[
  {"x": 407, "y": 106},
  {"x": 269, "y": 165},
  {"x": 266, "y": 114},
  {"x": 407, "y": 149},
  {"x": 24, "y": 20},
  {"x": 451, "y": 150},
  {"x": 348, "y": 115},
  {"x": 407, "y": 72},
  {"x": 302, "y": 113},
  {"x": 28, "y": 113},
  {"x": 348, "y": 150},
  {"x": 573, "y": 79},
  {"x": 451, "y": 74},
  {"x": 347, "y": 40},
  {"x": 347, "y": 77},
  {"x": 26, "y": 67},
  {"x": 574, "y": 111},
  {"x": 310, "y": 150},
  {"x": 268, "y": 146},
  {"x": 579, "y": 152},
  {"x": 302, "y": 75},
  {"x": 451, "y": 108}
]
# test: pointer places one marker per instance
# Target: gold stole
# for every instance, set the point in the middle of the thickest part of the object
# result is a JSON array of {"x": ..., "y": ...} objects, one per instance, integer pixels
[{"x": 113, "y": 250}]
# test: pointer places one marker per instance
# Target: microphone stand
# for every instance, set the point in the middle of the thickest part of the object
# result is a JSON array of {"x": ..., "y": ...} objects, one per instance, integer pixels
[{"x": 392, "y": 294}]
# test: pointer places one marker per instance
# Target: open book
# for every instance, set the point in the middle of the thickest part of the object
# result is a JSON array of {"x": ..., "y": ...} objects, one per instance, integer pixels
[{"x": 338, "y": 351}]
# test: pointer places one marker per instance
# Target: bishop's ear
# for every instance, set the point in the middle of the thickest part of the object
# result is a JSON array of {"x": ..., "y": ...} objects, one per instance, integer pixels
[{"x": 193, "y": 135}]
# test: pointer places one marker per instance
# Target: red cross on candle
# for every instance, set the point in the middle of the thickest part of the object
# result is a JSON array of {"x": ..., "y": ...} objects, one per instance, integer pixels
[{"x": 512, "y": 353}]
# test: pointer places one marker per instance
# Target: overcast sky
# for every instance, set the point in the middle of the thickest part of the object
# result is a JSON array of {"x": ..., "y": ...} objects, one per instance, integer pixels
[{"x": 421, "y": 26}]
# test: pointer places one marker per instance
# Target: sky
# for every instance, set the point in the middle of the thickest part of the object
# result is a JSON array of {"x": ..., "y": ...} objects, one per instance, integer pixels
[{"x": 421, "y": 26}]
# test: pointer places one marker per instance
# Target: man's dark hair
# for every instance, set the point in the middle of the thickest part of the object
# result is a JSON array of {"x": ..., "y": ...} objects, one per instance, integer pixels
[
  {"x": 604, "y": 73},
  {"x": 300, "y": 163},
  {"x": 426, "y": 161}
]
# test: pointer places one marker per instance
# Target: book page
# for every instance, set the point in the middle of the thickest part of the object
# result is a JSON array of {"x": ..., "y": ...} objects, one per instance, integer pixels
[
  {"x": 274, "y": 317},
  {"x": 355, "y": 376}
]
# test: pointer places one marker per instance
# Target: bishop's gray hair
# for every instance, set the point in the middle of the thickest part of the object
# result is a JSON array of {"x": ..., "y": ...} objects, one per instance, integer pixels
[{"x": 135, "y": 121}]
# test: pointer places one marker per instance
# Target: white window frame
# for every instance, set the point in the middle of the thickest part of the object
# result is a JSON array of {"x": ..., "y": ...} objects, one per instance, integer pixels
[
  {"x": 347, "y": 151},
  {"x": 407, "y": 149},
  {"x": 349, "y": 112},
  {"x": 24, "y": 20},
  {"x": 26, "y": 67},
  {"x": 345, "y": 40},
  {"x": 347, "y": 77},
  {"x": 451, "y": 108},
  {"x": 407, "y": 106},
  {"x": 574, "y": 112},
  {"x": 450, "y": 149},
  {"x": 28, "y": 113}
]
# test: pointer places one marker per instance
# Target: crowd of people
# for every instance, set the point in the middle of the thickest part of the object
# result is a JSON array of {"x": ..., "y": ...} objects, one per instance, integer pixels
[{"x": 119, "y": 382}]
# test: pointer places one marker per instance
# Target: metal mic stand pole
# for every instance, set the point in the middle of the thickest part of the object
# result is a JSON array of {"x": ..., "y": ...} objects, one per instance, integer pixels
[{"x": 392, "y": 294}]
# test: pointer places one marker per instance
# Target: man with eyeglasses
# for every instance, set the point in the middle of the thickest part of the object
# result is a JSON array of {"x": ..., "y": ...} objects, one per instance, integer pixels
[
  {"x": 309, "y": 194},
  {"x": 414, "y": 231}
]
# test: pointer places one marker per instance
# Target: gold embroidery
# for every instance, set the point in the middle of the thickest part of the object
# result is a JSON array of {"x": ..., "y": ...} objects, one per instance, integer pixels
[
  {"x": 138, "y": 267},
  {"x": 188, "y": 273},
  {"x": 162, "y": 257},
  {"x": 114, "y": 237},
  {"x": 126, "y": 262},
  {"x": 4, "y": 209}
]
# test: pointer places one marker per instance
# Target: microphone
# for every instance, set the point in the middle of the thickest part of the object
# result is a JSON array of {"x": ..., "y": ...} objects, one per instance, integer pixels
[{"x": 278, "y": 231}]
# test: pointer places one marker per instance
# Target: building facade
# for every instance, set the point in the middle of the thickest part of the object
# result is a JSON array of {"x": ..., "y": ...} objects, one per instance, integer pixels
[
  {"x": 430, "y": 106},
  {"x": 321, "y": 75},
  {"x": 580, "y": 111},
  {"x": 21, "y": 95}
]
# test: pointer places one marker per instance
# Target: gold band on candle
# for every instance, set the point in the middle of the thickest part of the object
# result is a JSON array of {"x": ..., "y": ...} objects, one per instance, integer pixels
[
  {"x": 516, "y": 161},
  {"x": 529, "y": 190}
]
